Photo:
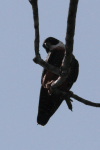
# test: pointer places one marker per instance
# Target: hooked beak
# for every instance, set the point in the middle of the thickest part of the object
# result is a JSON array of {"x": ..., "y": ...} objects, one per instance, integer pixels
[{"x": 47, "y": 46}]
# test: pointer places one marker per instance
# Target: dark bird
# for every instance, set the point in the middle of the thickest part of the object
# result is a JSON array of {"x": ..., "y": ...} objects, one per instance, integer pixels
[{"x": 49, "y": 103}]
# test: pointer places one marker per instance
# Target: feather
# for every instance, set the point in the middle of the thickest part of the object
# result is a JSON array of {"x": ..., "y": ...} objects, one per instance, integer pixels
[{"x": 48, "y": 104}]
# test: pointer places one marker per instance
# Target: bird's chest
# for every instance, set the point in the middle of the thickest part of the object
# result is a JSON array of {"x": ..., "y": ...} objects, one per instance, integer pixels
[{"x": 55, "y": 58}]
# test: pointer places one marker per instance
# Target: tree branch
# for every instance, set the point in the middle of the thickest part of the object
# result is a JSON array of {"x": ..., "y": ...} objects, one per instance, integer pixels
[
  {"x": 36, "y": 25},
  {"x": 70, "y": 34},
  {"x": 37, "y": 58},
  {"x": 70, "y": 94},
  {"x": 64, "y": 71},
  {"x": 69, "y": 44},
  {"x": 46, "y": 65},
  {"x": 86, "y": 102}
]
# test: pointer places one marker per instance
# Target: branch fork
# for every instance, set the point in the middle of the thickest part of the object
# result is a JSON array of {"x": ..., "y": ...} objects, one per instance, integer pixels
[{"x": 69, "y": 41}]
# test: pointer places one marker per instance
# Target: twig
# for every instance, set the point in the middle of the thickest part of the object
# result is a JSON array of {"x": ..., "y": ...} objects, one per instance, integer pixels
[
  {"x": 37, "y": 58},
  {"x": 86, "y": 102},
  {"x": 69, "y": 44},
  {"x": 47, "y": 66},
  {"x": 70, "y": 34},
  {"x": 70, "y": 94},
  {"x": 36, "y": 25}
]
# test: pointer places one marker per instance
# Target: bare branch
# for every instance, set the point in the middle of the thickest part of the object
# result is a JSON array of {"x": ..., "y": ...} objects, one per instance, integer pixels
[
  {"x": 46, "y": 65},
  {"x": 86, "y": 102},
  {"x": 70, "y": 94},
  {"x": 70, "y": 34},
  {"x": 36, "y": 25},
  {"x": 65, "y": 69},
  {"x": 37, "y": 58},
  {"x": 69, "y": 44}
]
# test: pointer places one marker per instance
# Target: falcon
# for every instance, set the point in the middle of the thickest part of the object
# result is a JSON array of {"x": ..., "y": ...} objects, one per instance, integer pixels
[{"x": 49, "y": 103}]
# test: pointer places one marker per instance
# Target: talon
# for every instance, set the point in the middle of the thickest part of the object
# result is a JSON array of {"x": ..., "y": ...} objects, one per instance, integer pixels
[{"x": 70, "y": 93}]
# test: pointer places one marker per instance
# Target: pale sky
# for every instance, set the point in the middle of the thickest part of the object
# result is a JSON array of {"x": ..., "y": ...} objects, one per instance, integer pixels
[{"x": 20, "y": 77}]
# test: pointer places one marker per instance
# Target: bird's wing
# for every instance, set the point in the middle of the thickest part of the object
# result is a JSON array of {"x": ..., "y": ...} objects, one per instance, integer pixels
[{"x": 48, "y": 104}]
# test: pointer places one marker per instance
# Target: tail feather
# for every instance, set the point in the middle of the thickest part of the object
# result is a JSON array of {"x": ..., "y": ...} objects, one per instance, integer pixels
[{"x": 48, "y": 104}]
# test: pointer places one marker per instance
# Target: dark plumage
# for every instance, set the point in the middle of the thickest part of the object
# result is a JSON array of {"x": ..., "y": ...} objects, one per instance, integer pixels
[{"x": 48, "y": 104}]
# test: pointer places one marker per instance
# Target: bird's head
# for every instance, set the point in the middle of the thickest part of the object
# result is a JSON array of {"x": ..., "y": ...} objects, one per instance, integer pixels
[{"x": 51, "y": 43}]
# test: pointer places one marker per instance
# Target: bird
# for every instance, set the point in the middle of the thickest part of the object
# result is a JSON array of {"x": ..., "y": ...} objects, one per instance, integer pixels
[{"x": 49, "y": 103}]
